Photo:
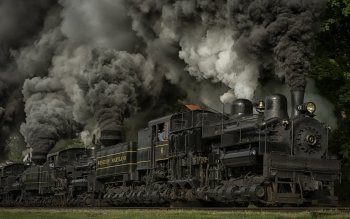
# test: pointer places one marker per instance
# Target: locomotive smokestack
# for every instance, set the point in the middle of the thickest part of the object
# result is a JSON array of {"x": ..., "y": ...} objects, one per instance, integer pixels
[
  {"x": 110, "y": 121},
  {"x": 111, "y": 137},
  {"x": 297, "y": 98},
  {"x": 111, "y": 130}
]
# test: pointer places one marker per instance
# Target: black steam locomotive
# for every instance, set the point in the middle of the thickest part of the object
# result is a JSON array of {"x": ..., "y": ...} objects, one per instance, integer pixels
[{"x": 195, "y": 156}]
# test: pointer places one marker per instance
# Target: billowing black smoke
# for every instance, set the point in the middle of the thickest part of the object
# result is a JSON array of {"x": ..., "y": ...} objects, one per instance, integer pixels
[
  {"x": 88, "y": 65},
  {"x": 280, "y": 29},
  {"x": 20, "y": 22},
  {"x": 49, "y": 115},
  {"x": 114, "y": 78},
  {"x": 115, "y": 86},
  {"x": 231, "y": 41}
]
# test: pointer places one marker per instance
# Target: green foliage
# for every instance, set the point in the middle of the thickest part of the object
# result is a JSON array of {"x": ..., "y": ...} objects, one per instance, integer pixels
[
  {"x": 331, "y": 72},
  {"x": 345, "y": 6}
]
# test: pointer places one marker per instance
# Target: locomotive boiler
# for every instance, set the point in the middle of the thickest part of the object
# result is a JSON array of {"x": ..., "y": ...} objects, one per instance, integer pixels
[{"x": 261, "y": 156}]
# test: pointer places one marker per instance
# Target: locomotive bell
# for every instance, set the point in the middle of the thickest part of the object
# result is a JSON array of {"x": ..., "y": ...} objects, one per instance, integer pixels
[
  {"x": 276, "y": 107},
  {"x": 242, "y": 107},
  {"x": 261, "y": 106}
]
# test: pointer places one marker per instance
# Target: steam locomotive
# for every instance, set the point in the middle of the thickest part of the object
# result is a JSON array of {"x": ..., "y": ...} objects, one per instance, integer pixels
[{"x": 195, "y": 156}]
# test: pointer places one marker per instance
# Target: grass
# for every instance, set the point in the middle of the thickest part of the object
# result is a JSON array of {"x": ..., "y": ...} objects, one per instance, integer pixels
[{"x": 8, "y": 213}]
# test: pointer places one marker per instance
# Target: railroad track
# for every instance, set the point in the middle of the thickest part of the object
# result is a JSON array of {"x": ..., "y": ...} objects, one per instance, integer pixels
[
  {"x": 229, "y": 209},
  {"x": 253, "y": 209}
]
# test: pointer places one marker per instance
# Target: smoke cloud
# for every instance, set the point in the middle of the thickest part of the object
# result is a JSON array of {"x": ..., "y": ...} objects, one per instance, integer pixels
[
  {"x": 20, "y": 22},
  {"x": 282, "y": 31},
  {"x": 230, "y": 42},
  {"x": 49, "y": 114},
  {"x": 83, "y": 66}
]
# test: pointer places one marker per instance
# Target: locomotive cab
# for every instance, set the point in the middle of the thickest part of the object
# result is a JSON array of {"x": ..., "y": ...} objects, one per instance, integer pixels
[
  {"x": 153, "y": 148},
  {"x": 160, "y": 138}
]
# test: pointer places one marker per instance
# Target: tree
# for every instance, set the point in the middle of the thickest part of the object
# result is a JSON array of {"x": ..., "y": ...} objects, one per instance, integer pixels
[{"x": 331, "y": 71}]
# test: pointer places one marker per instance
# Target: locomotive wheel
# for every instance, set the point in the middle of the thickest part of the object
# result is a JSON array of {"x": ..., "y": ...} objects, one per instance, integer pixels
[
  {"x": 88, "y": 201},
  {"x": 18, "y": 200},
  {"x": 26, "y": 200},
  {"x": 59, "y": 200},
  {"x": 63, "y": 200},
  {"x": 30, "y": 202},
  {"x": 54, "y": 201}
]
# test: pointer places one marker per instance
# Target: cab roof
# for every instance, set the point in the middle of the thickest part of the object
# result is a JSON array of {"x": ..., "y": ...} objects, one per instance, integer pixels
[{"x": 160, "y": 120}]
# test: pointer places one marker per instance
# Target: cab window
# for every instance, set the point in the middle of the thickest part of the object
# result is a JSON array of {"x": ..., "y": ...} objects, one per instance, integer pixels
[{"x": 160, "y": 132}]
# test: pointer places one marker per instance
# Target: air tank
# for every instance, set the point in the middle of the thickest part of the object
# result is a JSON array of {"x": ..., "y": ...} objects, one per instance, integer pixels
[
  {"x": 242, "y": 107},
  {"x": 276, "y": 107}
]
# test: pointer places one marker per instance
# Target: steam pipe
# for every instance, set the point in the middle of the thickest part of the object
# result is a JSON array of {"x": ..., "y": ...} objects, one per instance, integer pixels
[{"x": 297, "y": 98}]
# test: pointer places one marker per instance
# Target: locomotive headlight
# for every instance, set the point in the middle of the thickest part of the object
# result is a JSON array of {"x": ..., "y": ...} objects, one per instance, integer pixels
[{"x": 311, "y": 107}]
